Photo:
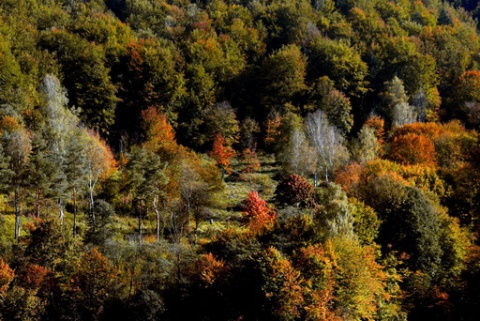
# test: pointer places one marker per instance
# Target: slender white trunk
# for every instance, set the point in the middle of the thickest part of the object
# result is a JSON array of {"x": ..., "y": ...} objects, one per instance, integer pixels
[
  {"x": 91, "y": 186},
  {"x": 157, "y": 213},
  {"x": 16, "y": 202},
  {"x": 61, "y": 214}
]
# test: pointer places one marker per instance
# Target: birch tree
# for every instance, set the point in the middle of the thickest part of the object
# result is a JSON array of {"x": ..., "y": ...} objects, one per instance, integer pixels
[
  {"x": 327, "y": 142},
  {"x": 59, "y": 133}
]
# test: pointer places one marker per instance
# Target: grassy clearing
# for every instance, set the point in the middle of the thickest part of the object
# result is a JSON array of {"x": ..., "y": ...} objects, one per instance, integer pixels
[{"x": 225, "y": 212}]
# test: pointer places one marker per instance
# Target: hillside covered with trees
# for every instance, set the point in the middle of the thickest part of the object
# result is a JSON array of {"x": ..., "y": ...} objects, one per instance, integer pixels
[{"x": 239, "y": 160}]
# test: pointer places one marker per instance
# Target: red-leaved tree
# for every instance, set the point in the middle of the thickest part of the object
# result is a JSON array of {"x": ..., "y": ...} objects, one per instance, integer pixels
[
  {"x": 222, "y": 153},
  {"x": 260, "y": 215},
  {"x": 294, "y": 190}
]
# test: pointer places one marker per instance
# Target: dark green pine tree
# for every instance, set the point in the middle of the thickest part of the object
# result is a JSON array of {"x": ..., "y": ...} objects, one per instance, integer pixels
[
  {"x": 17, "y": 146},
  {"x": 48, "y": 182},
  {"x": 41, "y": 172}
]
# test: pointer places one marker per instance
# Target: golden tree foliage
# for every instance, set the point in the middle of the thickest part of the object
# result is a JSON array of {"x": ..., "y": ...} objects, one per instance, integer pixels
[
  {"x": 343, "y": 281},
  {"x": 9, "y": 123},
  {"x": 452, "y": 143},
  {"x": 317, "y": 265},
  {"x": 100, "y": 158},
  {"x": 6, "y": 276},
  {"x": 210, "y": 268},
  {"x": 93, "y": 282},
  {"x": 160, "y": 134},
  {"x": 283, "y": 286}
]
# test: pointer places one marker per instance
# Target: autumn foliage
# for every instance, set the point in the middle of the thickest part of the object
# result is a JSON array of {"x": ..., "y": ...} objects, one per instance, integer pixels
[
  {"x": 259, "y": 214},
  {"x": 294, "y": 190},
  {"x": 272, "y": 129},
  {"x": 210, "y": 268},
  {"x": 222, "y": 153},
  {"x": 413, "y": 149},
  {"x": 378, "y": 125},
  {"x": 284, "y": 286},
  {"x": 160, "y": 134},
  {"x": 250, "y": 159},
  {"x": 315, "y": 88},
  {"x": 101, "y": 160},
  {"x": 93, "y": 282},
  {"x": 6, "y": 276},
  {"x": 349, "y": 176}
]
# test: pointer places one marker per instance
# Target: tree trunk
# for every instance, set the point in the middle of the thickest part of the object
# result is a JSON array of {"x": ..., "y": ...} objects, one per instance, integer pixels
[
  {"x": 138, "y": 212},
  {"x": 37, "y": 203},
  {"x": 157, "y": 213},
  {"x": 61, "y": 214},
  {"x": 16, "y": 202},
  {"x": 91, "y": 210},
  {"x": 74, "y": 212}
]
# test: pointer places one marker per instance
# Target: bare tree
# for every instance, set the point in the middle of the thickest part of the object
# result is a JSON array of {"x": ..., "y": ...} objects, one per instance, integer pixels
[{"x": 327, "y": 142}]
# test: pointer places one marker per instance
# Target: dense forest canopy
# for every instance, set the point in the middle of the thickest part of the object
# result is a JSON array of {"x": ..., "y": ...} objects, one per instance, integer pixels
[{"x": 239, "y": 160}]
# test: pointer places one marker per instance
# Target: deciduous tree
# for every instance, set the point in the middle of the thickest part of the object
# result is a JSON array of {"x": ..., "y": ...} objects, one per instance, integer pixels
[
  {"x": 160, "y": 135},
  {"x": 222, "y": 153},
  {"x": 282, "y": 287},
  {"x": 294, "y": 190},
  {"x": 93, "y": 282},
  {"x": 146, "y": 180},
  {"x": 259, "y": 214},
  {"x": 100, "y": 164},
  {"x": 412, "y": 149},
  {"x": 327, "y": 141},
  {"x": 6, "y": 276}
]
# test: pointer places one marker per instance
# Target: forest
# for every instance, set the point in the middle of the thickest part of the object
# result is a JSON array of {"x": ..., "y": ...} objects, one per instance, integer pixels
[{"x": 227, "y": 160}]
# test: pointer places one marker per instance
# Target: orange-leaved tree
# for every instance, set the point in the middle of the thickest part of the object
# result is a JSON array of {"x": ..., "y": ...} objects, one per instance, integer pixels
[
  {"x": 222, "y": 153},
  {"x": 93, "y": 282},
  {"x": 349, "y": 176},
  {"x": 6, "y": 276},
  {"x": 210, "y": 268},
  {"x": 413, "y": 149},
  {"x": 260, "y": 215},
  {"x": 283, "y": 285},
  {"x": 101, "y": 164},
  {"x": 378, "y": 125},
  {"x": 318, "y": 264},
  {"x": 160, "y": 134},
  {"x": 31, "y": 276},
  {"x": 272, "y": 125}
]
